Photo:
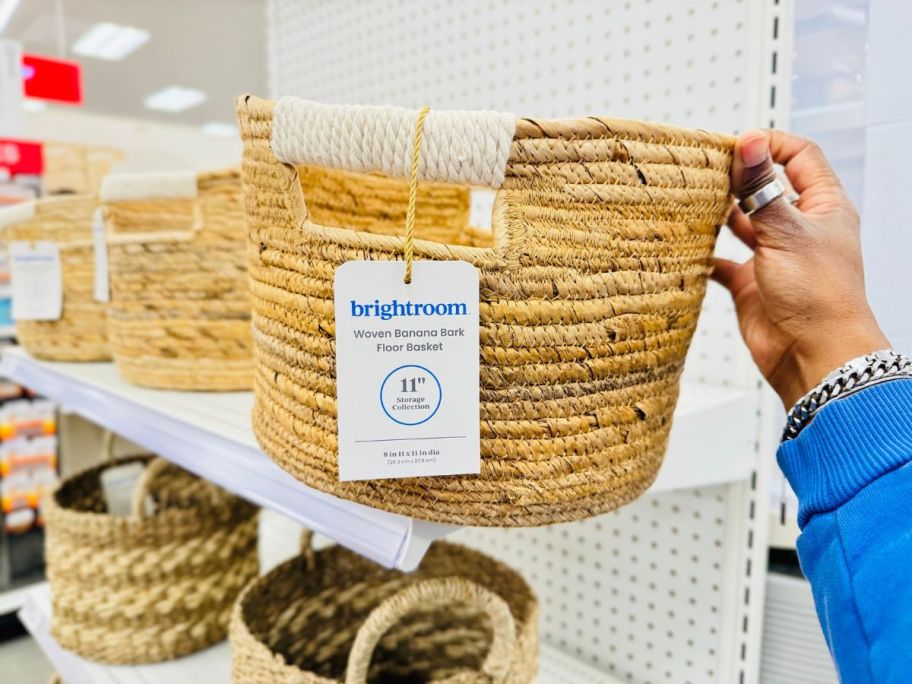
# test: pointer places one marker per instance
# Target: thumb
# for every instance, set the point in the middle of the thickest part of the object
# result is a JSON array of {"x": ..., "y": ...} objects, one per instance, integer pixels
[{"x": 752, "y": 168}]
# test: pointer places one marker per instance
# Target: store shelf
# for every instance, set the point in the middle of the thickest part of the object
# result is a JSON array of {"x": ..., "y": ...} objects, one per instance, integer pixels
[
  {"x": 214, "y": 664},
  {"x": 210, "y": 435},
  {"x": 11, "y": 600}
]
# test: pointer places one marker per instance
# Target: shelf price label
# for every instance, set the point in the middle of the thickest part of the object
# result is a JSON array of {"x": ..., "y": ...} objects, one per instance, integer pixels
[
  {"x": 36, "y": 280},
  {"x": 407, "y": 373}
]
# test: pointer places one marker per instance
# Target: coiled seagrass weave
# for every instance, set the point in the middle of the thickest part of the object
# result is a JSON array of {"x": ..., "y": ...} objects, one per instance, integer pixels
[
  {"x": 332, "y": 616},
  {"x": 146, "y": 588},
  {"x": 591, "y": 285},
  {"x": 81, "y": 332},
  {"x": 179, "y": 315}
]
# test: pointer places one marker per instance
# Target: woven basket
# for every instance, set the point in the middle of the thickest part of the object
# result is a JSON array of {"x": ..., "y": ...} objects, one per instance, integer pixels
[
  {"x": 179, "y": 316},
  {"x": 332, "y": 616},
  {"x": 591, "y": 285},
  {"x": 131, "y": 590},
  {"x": 81, "y": 332},
  {"x": 74, "y": 168}
]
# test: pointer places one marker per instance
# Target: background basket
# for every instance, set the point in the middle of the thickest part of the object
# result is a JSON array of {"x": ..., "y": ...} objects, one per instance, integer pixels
[
  {"x": 590, "y": 291},
  {"x": 131, "y": 590},
  {"x": 326, "y": 617},
  {"x": 74, "y": 168},
  {"x": 179, "y": 316},
  {"x": 81, "y": 333}
]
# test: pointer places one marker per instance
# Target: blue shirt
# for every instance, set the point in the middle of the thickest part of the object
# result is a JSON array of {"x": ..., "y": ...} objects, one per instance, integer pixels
[{"x": 852, "y": 471}]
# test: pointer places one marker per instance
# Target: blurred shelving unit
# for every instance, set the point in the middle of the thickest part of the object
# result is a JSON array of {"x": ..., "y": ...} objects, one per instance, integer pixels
[
  {"x": 14, "y": 598},
  {"x": 794, "y": 651}
]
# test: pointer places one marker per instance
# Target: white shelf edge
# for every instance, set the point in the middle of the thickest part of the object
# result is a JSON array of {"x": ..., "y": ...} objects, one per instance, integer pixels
[
  {"x": 209, "y": 434},
  {"x": 11, "y": 600},
  {"x": 389, "y": 539},
  {"x": 214, "y": 664}
]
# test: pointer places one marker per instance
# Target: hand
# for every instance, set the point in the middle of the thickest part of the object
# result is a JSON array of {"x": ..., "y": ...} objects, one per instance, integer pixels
[{"x": 800, "y": 300}]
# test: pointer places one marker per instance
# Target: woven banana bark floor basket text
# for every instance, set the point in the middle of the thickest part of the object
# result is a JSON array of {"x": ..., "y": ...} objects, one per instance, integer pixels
[
  {"x": 179, "y": 316},
  {"x": 81, "y": 332},
  {"x": 131, "y": 590},
  {"x": 333, "y": 616},
  {"x": 591, "y": 285}
]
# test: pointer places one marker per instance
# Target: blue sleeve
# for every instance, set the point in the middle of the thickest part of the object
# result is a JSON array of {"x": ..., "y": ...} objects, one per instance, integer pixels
[{"x": 852, "y": 471}]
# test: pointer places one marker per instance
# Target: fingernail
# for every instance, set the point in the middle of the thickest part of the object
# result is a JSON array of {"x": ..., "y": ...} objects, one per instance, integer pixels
[{"x": 754, "y": 151}]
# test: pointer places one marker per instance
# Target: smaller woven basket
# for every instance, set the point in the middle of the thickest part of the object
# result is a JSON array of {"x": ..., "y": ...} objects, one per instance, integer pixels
[
  {"x": 179, "y": 316},
  {"x": 74, "y": 168},
  {"x": 142, "y": 589},
  {"x": 81, "y": 332},
  {"x": 332, "y": 616}
]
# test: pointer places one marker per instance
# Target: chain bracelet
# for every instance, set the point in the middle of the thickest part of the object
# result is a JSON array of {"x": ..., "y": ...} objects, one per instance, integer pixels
[{"x": 857, "y": 374}]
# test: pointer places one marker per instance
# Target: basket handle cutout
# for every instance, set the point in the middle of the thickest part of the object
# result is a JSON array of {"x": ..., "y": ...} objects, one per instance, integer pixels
[
  {"x": 467, "y": 148},
  {"x": 441, "y": 591}
]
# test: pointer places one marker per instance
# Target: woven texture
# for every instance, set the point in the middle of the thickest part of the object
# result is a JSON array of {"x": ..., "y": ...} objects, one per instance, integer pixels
[
  {"x": 74, "y": 168},
  {"x": 299, "y": 623},
  {"x": 130, "y": 590},
  {"x": 81, "y": 332},
  {"x": 590, "y": 292},
  {"x": 179, "y": 316}
]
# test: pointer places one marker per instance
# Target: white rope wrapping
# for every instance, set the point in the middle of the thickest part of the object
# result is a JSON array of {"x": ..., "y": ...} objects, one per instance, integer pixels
[
  {"x": 140, "y": 186},
  {"x": 19, "y": 212},
  {"x": 469, "y": 148}
]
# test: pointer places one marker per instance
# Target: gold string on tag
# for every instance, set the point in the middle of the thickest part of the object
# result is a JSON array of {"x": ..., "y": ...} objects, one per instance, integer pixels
[{"x": 413, "y": 194}]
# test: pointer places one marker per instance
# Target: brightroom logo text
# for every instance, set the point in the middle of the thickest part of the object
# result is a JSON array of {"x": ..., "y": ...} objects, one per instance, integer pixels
[{"x": 388, "y": 310}]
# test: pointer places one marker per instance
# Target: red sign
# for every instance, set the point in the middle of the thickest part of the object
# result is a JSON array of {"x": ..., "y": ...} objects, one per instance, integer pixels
[
  {"x": 19, "y": 157},
  {"x": 52, "y": 79}
]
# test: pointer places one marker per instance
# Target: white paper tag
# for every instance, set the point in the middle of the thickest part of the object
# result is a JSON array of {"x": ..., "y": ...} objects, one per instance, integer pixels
[
  {"x": 407, "y": 369},
  {"x": 118, "y": 484},
  {"x": 100, "y": 245},
  {"x": 37, "y": 281}
]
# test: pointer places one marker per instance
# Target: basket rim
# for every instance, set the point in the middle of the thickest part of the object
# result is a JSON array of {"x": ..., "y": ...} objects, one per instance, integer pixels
[{"x": 569, "y": 128}]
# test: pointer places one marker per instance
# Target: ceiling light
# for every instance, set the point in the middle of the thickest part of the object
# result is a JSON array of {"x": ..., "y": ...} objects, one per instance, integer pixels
[
  {"x": 110, "y": 41},
  {"x": 7, "y": 9},
  {"x": 32, "y": 105},
  {"x": 174, "y": 99},
  {"x": 217, "y": 129}
]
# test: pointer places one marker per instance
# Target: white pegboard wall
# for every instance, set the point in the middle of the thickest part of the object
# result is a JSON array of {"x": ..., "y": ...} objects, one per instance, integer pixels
[
  {"x": 682, "y": 62},
  {"x": 669, "y": 60},
  {"x": 640, "y": 593}
]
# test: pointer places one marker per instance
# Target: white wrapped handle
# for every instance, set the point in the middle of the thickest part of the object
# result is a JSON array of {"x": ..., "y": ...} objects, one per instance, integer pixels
[
  {"x": 124, "y": 187},
  {"x": 467, "y": 148}
]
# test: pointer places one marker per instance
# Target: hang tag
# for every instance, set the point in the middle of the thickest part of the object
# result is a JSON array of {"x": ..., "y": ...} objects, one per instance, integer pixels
[
  {"x": 407, "y": 369},
  {"x": 117, "y": 486},
  {"x": 37, "y": 281},
  {"x": 100, "y": 245}
]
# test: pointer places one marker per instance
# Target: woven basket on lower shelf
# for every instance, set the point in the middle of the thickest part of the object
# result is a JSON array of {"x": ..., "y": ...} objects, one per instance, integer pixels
[
  {"x": 146, "y": 588},
  {"x": 81, "y": 332},
  {"x": 603, "y": 234},
  {"x": 333, "y": 616},
  {"x": 179, "y": 316}
]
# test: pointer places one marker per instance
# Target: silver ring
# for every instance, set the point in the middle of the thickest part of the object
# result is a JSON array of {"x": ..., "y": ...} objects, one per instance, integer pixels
[
  {"x": 757, "y": 200},
  {"x": 792, "y": 197}
]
